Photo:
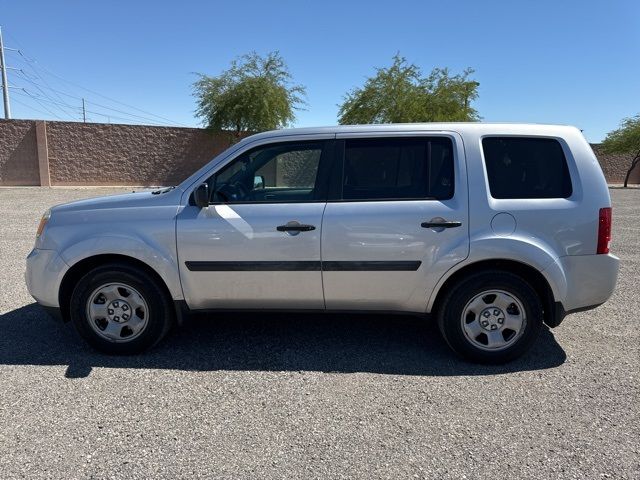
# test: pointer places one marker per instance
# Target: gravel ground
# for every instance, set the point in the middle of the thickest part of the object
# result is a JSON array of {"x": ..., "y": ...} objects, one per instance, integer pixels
[{"x": 315, "y": 396}]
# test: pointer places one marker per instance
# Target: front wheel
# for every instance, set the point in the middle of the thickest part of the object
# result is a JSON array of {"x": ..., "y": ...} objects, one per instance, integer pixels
[
  {"x": 120, "y": 309},
  {"x": 491, "y": 317}
]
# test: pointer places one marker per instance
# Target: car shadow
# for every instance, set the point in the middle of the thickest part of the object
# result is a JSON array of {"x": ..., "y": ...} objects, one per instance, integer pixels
[{"x": 384, "y": 344}]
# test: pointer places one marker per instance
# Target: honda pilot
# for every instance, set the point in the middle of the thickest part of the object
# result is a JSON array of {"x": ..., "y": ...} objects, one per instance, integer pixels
[{"x": 490, "y": 229}]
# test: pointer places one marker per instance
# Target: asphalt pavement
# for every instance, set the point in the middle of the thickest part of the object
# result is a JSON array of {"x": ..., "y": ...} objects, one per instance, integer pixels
[{"x": 315, "y": 396}]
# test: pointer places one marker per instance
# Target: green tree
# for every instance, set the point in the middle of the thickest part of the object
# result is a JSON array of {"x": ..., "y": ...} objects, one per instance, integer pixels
[
  {"x": 400, "y": 93},
  {"x": 625, "y": 139},
  {"x": 254, "y": 94}
]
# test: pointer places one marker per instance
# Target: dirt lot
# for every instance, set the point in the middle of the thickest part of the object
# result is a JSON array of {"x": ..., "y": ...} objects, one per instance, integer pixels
[{"x": 315, "y": 396}]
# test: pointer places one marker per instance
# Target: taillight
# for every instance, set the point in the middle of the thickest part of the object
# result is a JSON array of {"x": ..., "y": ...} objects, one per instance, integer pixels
[{"x": 604, "y": 230}]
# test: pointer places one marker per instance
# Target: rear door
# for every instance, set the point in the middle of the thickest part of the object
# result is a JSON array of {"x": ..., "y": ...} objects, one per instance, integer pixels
[{"x": 396, "y": 222}]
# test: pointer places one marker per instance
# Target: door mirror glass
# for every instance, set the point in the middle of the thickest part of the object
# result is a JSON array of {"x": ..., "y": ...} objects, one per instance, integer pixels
[
  {"x": 201, "y": 196},
  {"x": 258, "y": 181}
]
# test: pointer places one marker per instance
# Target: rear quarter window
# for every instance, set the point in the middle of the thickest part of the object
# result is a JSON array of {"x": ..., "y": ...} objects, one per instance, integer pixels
[{"x": 526, "y": 167}]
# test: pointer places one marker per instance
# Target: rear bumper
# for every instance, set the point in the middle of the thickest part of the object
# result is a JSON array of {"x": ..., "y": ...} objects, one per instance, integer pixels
[
  {"x": 558, "y": 313},
  {"x": 588, "y": 280}
]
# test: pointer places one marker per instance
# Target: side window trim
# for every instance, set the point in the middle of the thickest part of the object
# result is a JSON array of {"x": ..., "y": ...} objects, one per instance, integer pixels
[{"x": 334, "y": 193}]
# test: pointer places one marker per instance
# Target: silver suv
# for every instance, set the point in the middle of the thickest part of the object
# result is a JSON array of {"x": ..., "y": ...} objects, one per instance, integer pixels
[{"x": 492, "y": 229}]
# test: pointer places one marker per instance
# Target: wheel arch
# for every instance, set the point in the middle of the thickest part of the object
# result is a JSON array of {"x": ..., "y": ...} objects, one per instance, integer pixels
[
  {"x": 529, "y": 273},
  {"x": 80, "y": 268}
]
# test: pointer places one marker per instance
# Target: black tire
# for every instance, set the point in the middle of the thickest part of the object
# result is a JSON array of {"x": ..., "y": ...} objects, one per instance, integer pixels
[
  {"x": 160, "y": 314},
  {"x": 451, "y": 309}
]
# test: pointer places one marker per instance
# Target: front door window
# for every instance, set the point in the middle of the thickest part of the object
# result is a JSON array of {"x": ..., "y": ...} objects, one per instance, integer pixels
[{"x": 275, "y": 173}]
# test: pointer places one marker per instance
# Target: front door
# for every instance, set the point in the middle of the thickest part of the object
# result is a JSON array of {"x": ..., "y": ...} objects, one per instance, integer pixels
[
  {"x": 257, "y": 245},
  {"x": 398, "y": 222}
]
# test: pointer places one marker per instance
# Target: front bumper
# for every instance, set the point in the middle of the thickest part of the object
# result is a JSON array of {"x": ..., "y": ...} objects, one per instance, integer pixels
[{"x": 44, "y": 273}]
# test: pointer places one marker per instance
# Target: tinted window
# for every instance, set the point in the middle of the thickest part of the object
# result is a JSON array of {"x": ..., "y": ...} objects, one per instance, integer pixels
[
  {"x": 400, "y": 168},
  {"x": 521, "y": 167},
  {"x": 275, "y": 173}
]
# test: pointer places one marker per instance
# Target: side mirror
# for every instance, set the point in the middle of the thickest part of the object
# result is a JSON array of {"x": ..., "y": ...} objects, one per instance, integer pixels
[
  {"x": 258, "y": 181},
  {"x": 201, "y": 195}
]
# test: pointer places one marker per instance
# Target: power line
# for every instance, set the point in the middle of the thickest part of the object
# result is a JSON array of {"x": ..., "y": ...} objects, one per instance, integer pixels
[
  {"x": 32, "y": 62},
  {"x": 101, "y": 105},
  {"x": 121, "y": 118},
  {"x": 6, "y": 85},
  {"x": 171, "y": 122},
  {"x": 40, "y": 103},
  {"x": 42, "y": 99},
  {"x": 29, "y": 106},
  {"x": 26, "y": 77},
  {"x": 48, "y": 97},
  {"x": 80, "y": 109},
  {"x": 41, "y": 78},
  {"x": 56, "y": 101}
]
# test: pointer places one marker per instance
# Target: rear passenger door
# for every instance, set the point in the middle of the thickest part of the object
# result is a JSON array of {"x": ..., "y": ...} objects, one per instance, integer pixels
[{"x": 396, "y": 220}]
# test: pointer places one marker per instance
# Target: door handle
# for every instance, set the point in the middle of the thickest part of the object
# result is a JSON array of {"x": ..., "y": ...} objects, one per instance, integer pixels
[
  {"x": 441, "y": 224},
  {"x": 300, "y": 227}
]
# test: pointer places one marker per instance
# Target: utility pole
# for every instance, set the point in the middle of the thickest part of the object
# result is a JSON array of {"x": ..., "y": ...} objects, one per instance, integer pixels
[
  {"x": 84, "y": 112},
  {"x": 5, "y": 82}
]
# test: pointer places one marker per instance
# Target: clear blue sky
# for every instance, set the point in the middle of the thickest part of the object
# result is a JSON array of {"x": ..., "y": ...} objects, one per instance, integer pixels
[{"x": 574, "y": 62}]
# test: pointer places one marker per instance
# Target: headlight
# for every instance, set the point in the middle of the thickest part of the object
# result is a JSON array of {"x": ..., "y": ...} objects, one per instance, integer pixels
[{"x": 43, "y": 222}]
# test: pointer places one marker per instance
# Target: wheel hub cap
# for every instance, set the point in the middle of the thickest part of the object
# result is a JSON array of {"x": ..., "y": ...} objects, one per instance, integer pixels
[
  {"x": 492, "y": 318},
  {"x": 119, "y": 311}
]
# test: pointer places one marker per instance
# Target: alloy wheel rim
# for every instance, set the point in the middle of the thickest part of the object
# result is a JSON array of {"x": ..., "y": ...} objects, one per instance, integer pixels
[
  {"x": 493, "y": 320},
  {"x": 117, "y": 312}
]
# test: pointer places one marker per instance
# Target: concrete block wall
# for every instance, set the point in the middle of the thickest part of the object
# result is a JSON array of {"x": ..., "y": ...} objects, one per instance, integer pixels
[
  {"x": 615, "y": 166},
  {"x": 71, "y": 153},
  {"x": 18, "y": 153},
  {"x": 34, "y": 152}
]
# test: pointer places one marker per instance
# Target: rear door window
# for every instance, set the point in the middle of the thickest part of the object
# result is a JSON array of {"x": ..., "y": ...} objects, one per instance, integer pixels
[
  {"x": 526, "y": 167},
  {"x": 398, "y": 169}
]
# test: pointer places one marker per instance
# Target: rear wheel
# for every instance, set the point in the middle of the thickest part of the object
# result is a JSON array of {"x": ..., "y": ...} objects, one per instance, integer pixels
[
  {"x": 491, "y": 317},
  {"x": 120, "y": 309}
]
